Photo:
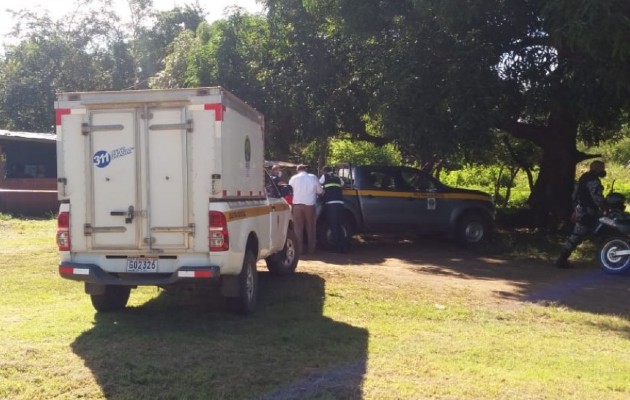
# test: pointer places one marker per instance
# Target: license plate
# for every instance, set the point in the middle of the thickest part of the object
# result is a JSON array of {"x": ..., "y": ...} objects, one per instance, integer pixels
[{"x": 142, "y": 265}]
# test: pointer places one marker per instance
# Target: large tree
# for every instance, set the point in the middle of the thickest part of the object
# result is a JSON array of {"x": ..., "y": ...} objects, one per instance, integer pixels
[
  {"x": 289, "y": 65},
  {"x": 87, "y": 49},
  {"x": 447, "y": 73},
  {"x": 71, "y": 53},
  {"x": 154, "y": 36}
]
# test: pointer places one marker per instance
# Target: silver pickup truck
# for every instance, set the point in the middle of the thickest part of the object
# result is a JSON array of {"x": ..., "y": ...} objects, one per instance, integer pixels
[{"x": 386, "y": 199}]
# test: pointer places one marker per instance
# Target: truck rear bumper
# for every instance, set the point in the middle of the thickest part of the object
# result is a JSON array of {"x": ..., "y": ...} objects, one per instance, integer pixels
[{"x": 92, "y": 273}]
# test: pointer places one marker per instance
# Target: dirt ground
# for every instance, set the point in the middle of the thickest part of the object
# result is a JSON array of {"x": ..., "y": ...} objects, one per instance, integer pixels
[{"x": 491, "y": 280}]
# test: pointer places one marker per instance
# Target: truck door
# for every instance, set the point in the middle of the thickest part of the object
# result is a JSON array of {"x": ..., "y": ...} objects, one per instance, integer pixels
[
  {"x": 114, "y": 201},
  {"x": 166, "y": 179},
  {"x": 139, "y": 179},
  {"x": 278, "y": 216},
  {"x": 425, "y": 205},
  {"x": 381, "y": 202}
]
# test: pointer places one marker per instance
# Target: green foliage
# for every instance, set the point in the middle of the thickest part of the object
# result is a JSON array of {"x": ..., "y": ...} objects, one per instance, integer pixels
[
  {"x": 486, "y": 179},
  {"x": 435, "y": 79},
  {"x": 362, "y": 153},
  {"x": 54, "y": 56},
  {"x": 161, "y": 41},
  {"x": 493, "y": 179},
  {"x": 87, "y": 49},
  {"x": 617, "y": 151},
  {"x": 472, "y": 176},
  {"x": 444, "y": 75},
  {"x": 176, "y": 64}
]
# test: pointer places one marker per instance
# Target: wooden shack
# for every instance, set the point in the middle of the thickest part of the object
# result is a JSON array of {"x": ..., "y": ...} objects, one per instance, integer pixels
[{"x": 28, "y": 173}]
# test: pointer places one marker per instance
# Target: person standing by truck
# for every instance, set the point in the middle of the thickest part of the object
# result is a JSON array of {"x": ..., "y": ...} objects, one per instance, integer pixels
[
  {"x": 333, "y": 207},
  {"x": 276, "y": 175},
  {"x": 306, "y": 188}
]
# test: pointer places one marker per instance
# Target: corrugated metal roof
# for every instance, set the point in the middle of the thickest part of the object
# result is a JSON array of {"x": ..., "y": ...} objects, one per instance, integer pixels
[{"x": 27, "y": 136}]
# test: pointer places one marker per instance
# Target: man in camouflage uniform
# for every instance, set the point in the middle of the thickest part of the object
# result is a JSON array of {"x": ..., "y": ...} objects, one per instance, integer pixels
[{"x": 588, "y": 199}]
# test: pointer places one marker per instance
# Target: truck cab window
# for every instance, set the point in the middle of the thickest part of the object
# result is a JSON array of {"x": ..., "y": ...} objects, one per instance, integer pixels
[{"x": 418, "y": 181}]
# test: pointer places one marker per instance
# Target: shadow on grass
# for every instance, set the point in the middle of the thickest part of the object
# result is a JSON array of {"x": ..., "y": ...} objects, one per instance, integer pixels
[
  {"x": 187, "y": 347},
  {"x": 524, "y": 259}
]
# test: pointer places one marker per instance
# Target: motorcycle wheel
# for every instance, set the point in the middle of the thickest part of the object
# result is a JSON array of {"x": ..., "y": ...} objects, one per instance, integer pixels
[{"x": 610, "y": 261}]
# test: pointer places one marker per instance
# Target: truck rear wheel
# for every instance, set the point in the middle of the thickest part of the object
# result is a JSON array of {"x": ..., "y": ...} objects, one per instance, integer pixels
[
  {"x": 245, "y": 303},
  {"x": 284, "y": 262},
  {"x": 114, "y": 298}
]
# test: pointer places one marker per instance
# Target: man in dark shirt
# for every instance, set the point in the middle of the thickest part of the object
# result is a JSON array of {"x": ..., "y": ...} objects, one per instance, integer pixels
[{"x": 333, "y": 207}]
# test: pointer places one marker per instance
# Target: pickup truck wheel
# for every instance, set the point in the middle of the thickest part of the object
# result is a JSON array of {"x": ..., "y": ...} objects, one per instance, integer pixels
[
  {"x": 471, "y": 229},
  {"x": 324, "y": 234},
  {"x": 284, "y": 262},
  {"x": 113, "y": 299},
  {"x": 245, "y": 303}
]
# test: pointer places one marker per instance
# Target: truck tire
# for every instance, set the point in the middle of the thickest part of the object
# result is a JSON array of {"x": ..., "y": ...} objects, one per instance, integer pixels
[
  {"x": 471, "y": 229},
  {"x": 324, "y": 235},
  {"x": 284, "y": 262},
  {"x": 245, "y": 303},
  {"x": 113, "y": 299}
]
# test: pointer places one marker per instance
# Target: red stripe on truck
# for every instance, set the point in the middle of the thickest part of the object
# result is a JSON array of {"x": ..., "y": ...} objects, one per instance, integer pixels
[
  {"x": 60, "y": 113},
  {"x": 218, "y": 109}
]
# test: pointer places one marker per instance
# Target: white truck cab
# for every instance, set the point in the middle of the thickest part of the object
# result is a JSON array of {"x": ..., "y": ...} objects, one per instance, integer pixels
[{"x": 166, "y": 188}]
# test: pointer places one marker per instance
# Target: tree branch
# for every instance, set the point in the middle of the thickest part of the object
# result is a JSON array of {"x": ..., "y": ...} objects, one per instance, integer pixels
[
  {"x": 544, "y": 41},
  {"x": 361, "y": 134},
  {"x": 519, "y": 161},
  {"x": 581, "y": 156},
  {"x": 535, "y": 134}
]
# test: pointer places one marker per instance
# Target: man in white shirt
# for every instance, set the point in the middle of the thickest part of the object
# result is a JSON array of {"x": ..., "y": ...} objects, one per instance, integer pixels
[{"x": 306, "y": 187}]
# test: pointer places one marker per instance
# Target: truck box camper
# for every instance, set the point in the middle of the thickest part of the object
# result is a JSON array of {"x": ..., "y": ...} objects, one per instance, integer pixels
[{"x": 166, "y": 188}]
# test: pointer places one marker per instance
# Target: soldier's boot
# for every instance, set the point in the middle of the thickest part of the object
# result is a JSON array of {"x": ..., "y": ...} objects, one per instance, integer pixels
[{"x": 563, "y": 259}]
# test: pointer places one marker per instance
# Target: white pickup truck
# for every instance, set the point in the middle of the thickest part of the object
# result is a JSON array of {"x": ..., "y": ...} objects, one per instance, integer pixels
[{"x": 167, "y": 188}]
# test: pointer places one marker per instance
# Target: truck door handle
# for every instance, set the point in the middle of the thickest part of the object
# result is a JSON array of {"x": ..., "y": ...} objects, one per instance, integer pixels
[{"x": 130, "y": 214}]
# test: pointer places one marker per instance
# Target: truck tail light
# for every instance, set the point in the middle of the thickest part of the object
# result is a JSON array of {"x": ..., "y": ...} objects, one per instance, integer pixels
[
  {"x": 63, "y": 231},
  {"x": 218, "y": 236}
]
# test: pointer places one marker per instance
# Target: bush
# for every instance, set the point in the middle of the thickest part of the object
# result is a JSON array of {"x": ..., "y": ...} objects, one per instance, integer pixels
[
  {"x": 485, "y": 178},
  {"x": 362, "y": 153}
]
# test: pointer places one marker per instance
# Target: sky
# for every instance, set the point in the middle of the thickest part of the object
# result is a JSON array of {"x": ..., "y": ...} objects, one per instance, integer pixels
[{"x": 57, "y": 8}]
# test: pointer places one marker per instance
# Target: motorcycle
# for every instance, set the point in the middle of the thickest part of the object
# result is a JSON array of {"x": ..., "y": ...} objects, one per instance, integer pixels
[{"x": 614, "y": 226}]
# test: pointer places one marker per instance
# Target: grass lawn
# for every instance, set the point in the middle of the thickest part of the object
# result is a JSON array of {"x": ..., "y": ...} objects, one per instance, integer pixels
[{"x": 327, "y": 332}]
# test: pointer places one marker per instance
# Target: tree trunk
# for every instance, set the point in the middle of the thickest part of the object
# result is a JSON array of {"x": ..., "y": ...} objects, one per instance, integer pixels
[
  {"x": 530, "y": 179},
  {"x": 497, "y": 186},
  {"x": 322, "y": 154},
  {"x": 550, "y": 199},
  {"x": 508, "y": 190}
]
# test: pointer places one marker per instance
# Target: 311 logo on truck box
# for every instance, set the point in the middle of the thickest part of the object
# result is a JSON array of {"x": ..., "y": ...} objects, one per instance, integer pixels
[{"x": 102, "y": 158}]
